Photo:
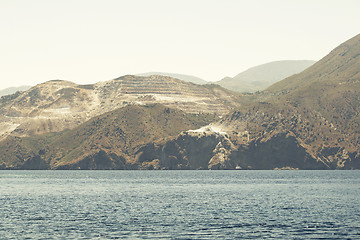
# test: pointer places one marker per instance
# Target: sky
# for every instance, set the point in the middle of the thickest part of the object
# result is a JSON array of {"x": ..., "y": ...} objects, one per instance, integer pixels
[{"x": 87, "y": 41}]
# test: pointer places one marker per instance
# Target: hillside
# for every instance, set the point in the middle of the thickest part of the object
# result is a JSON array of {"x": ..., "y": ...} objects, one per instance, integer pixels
[
  {"x": 330, "y": 87},
  {"x": 108, "y": 141},
  {"x": 57, "y": 105},
  {"x": 309, "y": 121},
  {"x": 260, "y": 77},
  {"x": 183, "y": 77}
]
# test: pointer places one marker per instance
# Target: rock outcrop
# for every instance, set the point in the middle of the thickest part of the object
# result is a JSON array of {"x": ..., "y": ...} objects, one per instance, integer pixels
[{"x": 216, "y": 151}]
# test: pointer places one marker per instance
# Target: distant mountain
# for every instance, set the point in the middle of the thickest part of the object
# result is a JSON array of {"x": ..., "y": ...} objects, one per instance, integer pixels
[
  {"x": 186, "y": 78},
  {"x": 260, "y": 77},
  {"x": 339, "y": 68},
  {"x": 12, "y": 90}
]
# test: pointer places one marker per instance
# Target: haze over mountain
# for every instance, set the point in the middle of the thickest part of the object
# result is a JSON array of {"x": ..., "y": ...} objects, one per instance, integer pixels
[
  {"x": 260, "y": 77},
  {"x": 307, "y": 121},
  {"x": 184, "y": 77},
  {"x": 12, "y": 90}
]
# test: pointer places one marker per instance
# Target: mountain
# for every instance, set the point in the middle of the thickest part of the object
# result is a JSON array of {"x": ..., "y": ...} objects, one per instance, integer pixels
[
  {"x": 339, "y": 67},
  {"x": 186, "y": 78},
  {"x": 12, "y": 90},
  {"x": 108, "y": 141},
  {"x": 57, "y": 105},
  {"x": 308, "y": 121},
  {"x": 260, "y": 77}
]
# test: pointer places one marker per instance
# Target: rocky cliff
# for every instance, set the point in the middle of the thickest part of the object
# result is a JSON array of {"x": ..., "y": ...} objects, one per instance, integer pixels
[{"x": 258, "y": 139}]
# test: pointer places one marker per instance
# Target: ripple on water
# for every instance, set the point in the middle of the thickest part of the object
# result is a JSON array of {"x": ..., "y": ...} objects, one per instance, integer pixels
[{"x": 179, "y": 204}]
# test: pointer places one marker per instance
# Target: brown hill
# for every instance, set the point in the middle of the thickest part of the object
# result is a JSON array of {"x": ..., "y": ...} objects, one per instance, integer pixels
[
  {"x": 57, "y": 105},
  {"x": 309, "y": 121},
  {"x": 109, "y": 141}
]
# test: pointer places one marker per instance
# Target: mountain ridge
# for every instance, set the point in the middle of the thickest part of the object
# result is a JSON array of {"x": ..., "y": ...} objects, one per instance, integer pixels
[{"x": 183, "y": 77}]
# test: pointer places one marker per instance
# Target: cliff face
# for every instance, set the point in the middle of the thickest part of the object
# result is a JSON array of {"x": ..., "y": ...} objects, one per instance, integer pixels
[
  {"x": 217, "y": 151},
  {"x": 278, "y": 150},
  {"x": 187, "y": 151}
]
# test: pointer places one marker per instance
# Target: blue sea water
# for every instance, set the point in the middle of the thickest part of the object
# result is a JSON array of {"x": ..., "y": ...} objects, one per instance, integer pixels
[{"x": 180, "y": 204}]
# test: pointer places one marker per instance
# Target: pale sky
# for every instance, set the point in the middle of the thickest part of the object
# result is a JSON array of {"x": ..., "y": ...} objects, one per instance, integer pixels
[{"x": 87, "y": 41}]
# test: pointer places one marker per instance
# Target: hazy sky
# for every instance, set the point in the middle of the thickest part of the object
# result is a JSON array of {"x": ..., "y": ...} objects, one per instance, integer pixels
[{"x": 86, "y": 41}]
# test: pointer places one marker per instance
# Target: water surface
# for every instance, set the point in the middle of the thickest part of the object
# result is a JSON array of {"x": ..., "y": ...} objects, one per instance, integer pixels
[{"x": 180, "y": 204}]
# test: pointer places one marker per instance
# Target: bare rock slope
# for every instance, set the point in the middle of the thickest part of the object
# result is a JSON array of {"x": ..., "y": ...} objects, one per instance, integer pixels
[{"x": 57, "y": 105}]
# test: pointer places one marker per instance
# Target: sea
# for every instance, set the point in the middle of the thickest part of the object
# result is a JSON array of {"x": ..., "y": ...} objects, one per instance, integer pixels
[{"x": 180, "y": 204}]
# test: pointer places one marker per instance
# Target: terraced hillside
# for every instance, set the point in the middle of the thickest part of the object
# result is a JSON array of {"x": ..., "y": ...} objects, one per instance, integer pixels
[
  {"x": 183, "y": 77},
  {"x": 57, "y": 105}
]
